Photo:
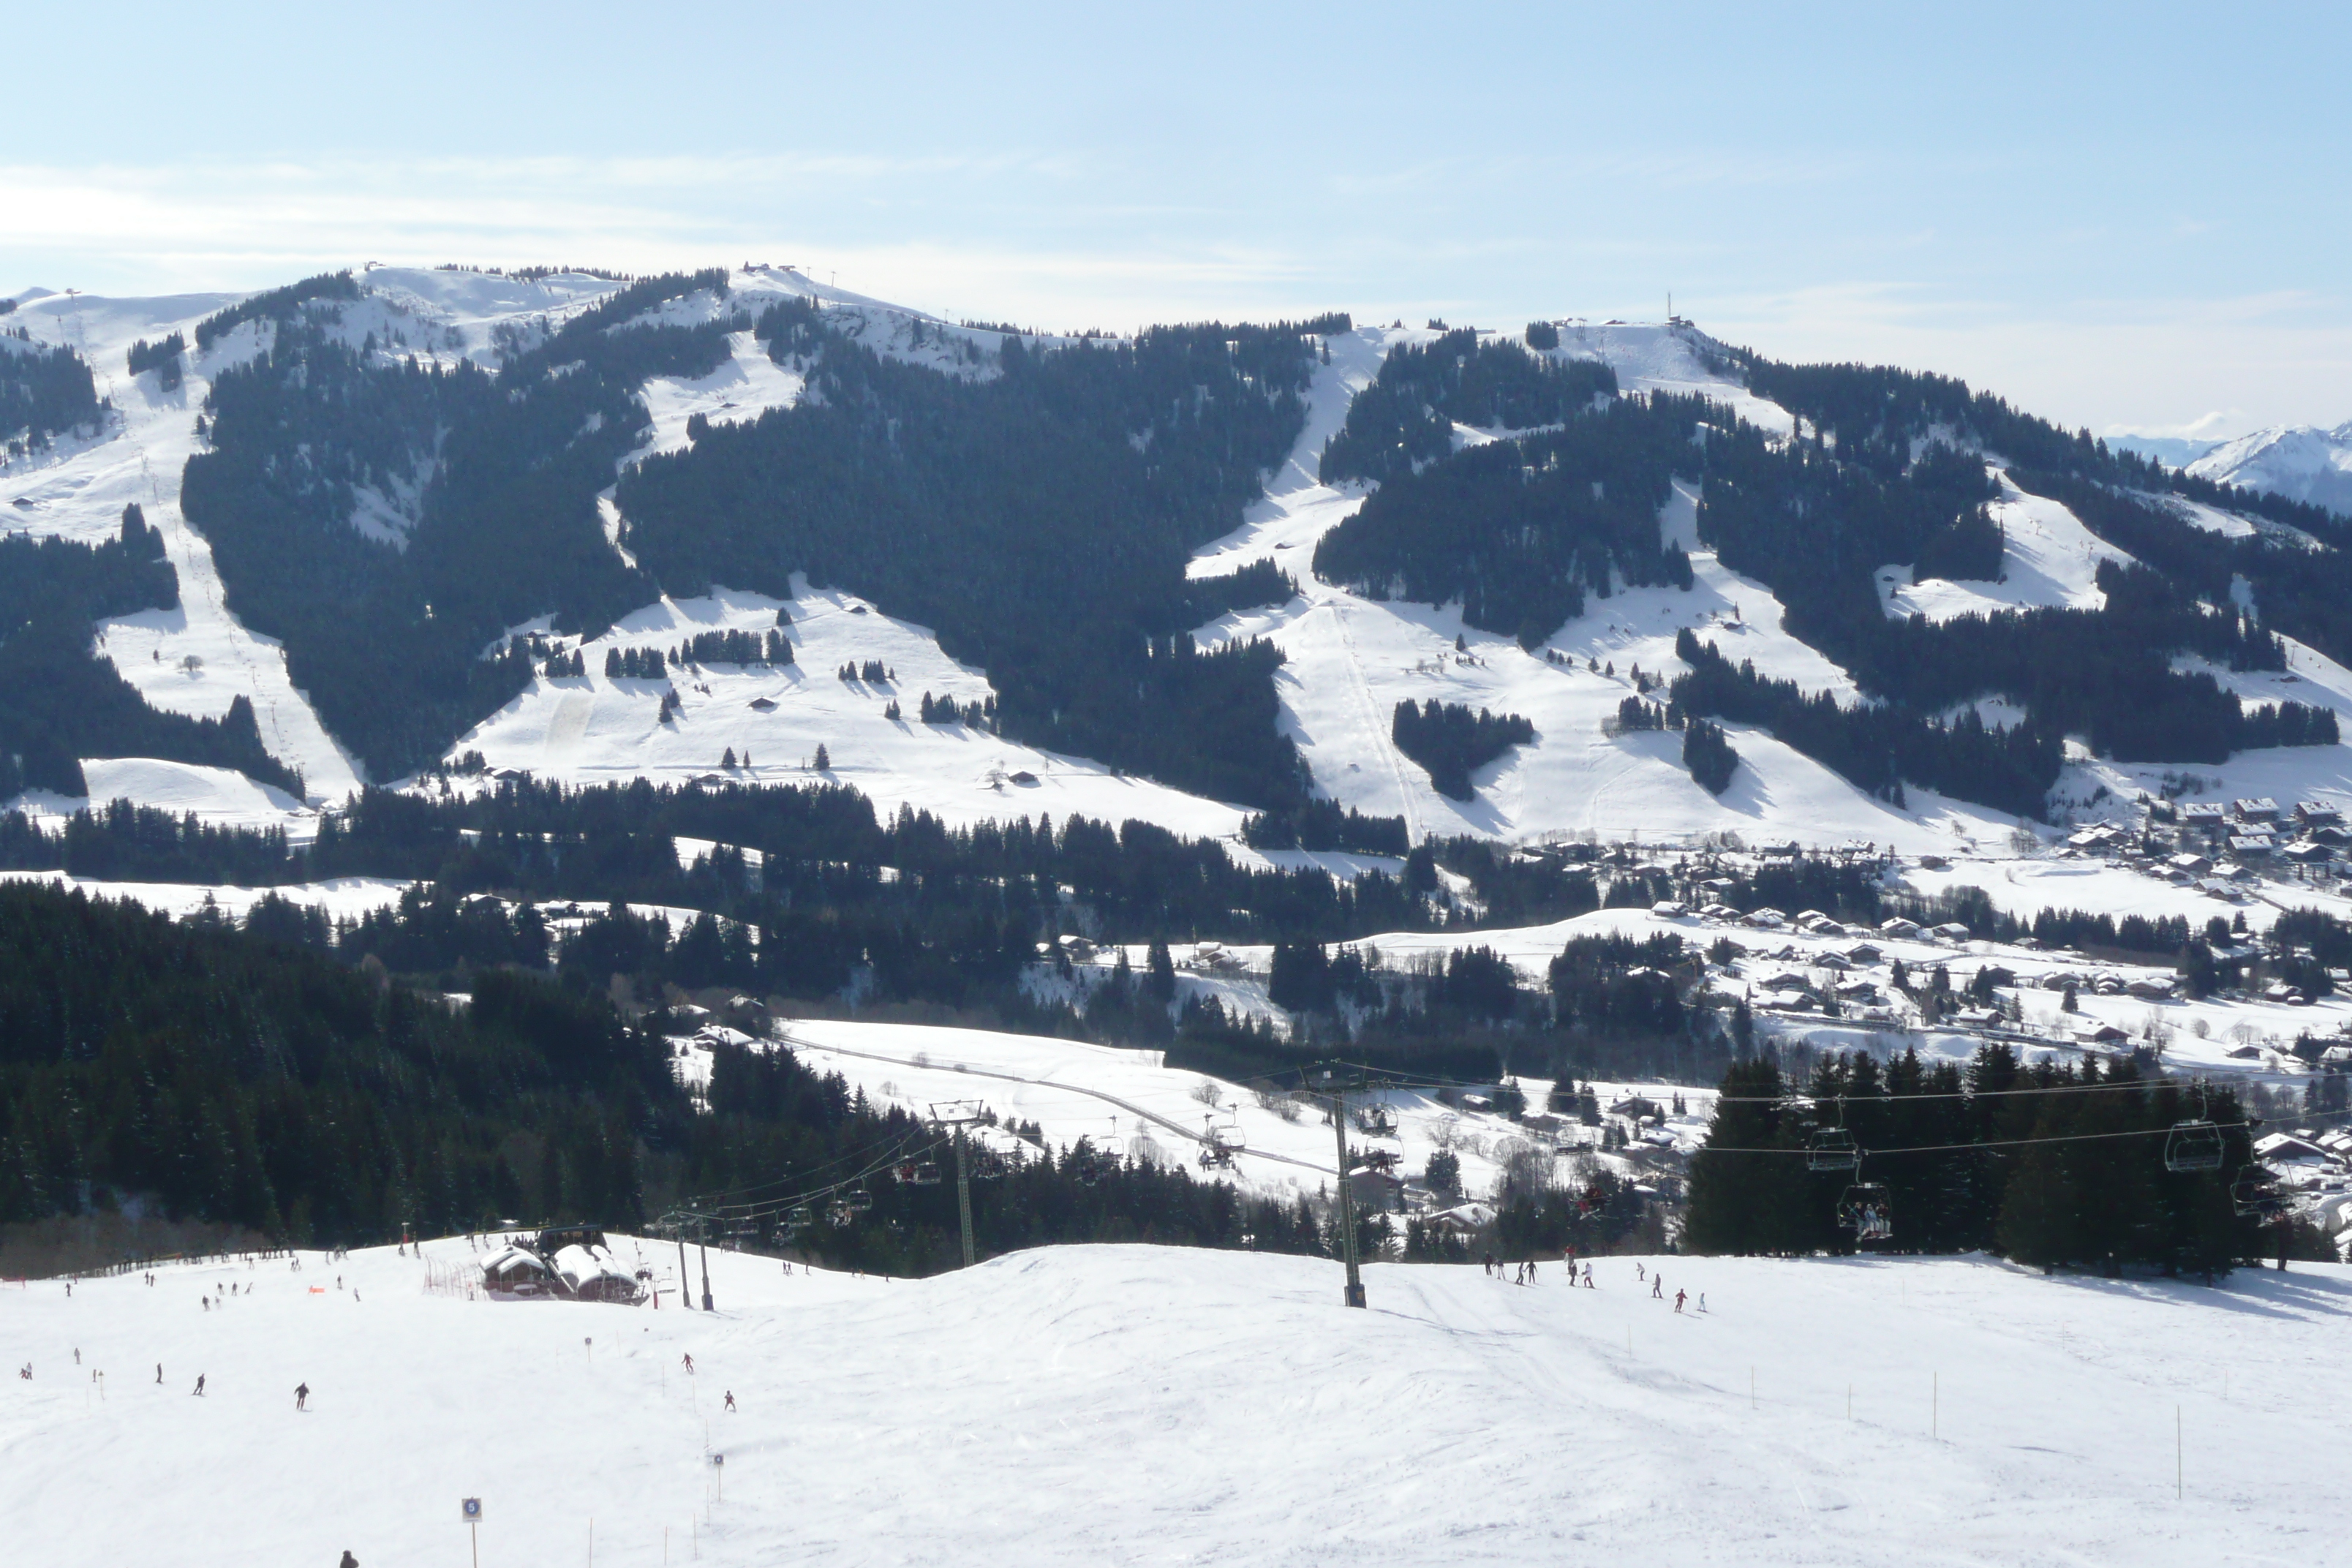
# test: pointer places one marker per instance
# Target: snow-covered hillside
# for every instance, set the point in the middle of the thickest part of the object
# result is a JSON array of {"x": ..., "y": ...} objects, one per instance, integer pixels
[
  {"x": 1134, "y": 1404},
  {"x": 595, "y": 728},
  {"x": 195, "y": 659},
  {"x": 1131, "y": 1103},
  {"x": 2301, "y": 462},
  {"x": 1351, "y": 660}
]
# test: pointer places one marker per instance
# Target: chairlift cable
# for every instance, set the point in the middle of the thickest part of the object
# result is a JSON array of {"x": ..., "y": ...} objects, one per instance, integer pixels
[
  {"x": 1989, "y": 1143},
  {"x": 2191, "y": 1086}
]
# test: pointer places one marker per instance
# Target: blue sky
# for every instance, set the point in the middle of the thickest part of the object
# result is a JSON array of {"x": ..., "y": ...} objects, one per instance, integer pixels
[{"x": 2129, "y": 218}]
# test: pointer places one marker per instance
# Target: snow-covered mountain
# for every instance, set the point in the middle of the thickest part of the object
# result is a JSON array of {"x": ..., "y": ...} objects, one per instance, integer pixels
[
  {"x": 1352, "y": 653},
  {"x": 2301, "y": 462}
]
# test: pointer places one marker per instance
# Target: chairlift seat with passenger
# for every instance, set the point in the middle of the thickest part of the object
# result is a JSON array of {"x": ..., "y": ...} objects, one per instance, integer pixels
[
  {"x": 1866, "y": 1210},
  {"x": 2252, "y": 1194}
]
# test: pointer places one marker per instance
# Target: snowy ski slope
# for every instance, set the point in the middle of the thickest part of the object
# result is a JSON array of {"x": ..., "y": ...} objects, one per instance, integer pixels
[
  {"x": 1134, "y": 1404},
  {"x": 1129, "y": 1102},
  {"x": 1351, "y": 660}
]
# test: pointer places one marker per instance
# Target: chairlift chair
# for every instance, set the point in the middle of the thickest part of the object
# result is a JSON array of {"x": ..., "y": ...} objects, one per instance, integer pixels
[
  {"x": 2193, "y": 1146},
  {"x": 927, "y": 1174},
  {"x": 857, "y": 1200},
  {"x": 1831, "y": 1149},
  {"x": 2251, "y": 1194},
  {"x": 1867, "y": 1211},
  {"x": 1377, "y": 1122}
]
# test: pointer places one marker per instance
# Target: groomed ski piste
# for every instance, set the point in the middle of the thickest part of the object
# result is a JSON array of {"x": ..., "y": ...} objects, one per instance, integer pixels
[{"x": 1135, "y": 1404}]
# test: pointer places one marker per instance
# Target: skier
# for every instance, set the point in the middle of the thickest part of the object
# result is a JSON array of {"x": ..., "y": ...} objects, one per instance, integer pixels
[
  {"x": 1657, "y": 1286},
  {"x": 1588, "y": 1279},
  {"x": 730, "y": 1399},
  {"x": 1680, "y": 1296},
  {"x": 200, "y": 1386},
  {"x": 349, "y": 1560},
  {"x": 689, "y": 1364},
  {"x": 302, "y": 1396},
  {"x": 159, "y": 1374},
  {"x": 1702, "y": 1300}
]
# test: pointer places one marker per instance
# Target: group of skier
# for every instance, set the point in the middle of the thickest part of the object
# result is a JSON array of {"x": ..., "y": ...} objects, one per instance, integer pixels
[{"x": 1524, "y": 1273}]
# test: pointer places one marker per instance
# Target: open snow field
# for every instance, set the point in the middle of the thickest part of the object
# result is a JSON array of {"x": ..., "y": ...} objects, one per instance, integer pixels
[
  {"x": 1143, "y": 1405},
  {"x": 1130, "y": 1103},
  {"x": 595, "y": 728}
]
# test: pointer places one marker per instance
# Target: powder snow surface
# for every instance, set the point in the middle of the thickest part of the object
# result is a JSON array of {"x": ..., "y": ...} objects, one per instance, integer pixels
[{"x": 1133, "y": 1405}]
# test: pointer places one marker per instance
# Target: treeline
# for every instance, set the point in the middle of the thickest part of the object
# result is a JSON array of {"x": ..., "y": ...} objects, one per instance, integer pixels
[
  {"x": 280, "y": 305},
  {"x": 704, "y": 647},
  {"x": 2049, "y": 1164},
  {"x": 1521, "y": 531},
  {"x": 1882, "y": 415},
  {"x": 1874, "y": 747},
  {"x": 44, "y": 391},
  {"x": 910, "y": 912},
  {"x": 1815, "y": 516},
  {"x": 1607, "y": 1004},
  {"x": 1323, "y": 824},
  {"x": 1405, "y": 419},
  {"x": 827, "y": 858},
  {"x": 60, "y": 700},
  {"x": 225, "y": 1077},
  {"x": 1259, "y": 585},
  {"x": 387, "y": 640},
  {"x": 2304, "y": 592},
  {"x": 1451, "y": 742},
  {"x": 1040, "y": 520},
  {"x": 234, "y": 1080},
  {"x": 1709, "y": 755},
  {"x": 163, "y": 357}
]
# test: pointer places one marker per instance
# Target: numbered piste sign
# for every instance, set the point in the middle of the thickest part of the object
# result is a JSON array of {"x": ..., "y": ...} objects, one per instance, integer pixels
[{"x": 470, "y": 1509}]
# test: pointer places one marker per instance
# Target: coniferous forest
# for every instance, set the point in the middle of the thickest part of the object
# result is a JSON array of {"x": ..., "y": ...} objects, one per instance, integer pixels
[
  {"x": 1039, "y": 522},
  {"x": 236, "y": 1079},
  {"x": 44, "y": 391},
  {"x": 60, "y": 700},
  {"x": 2049, "y": 1164},
  {"x": 386, "y": 637},
  {"x": 1451, "y": 742}
]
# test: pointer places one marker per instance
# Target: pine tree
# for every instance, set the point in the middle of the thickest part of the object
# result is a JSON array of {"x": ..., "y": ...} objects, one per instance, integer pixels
[{"x": 824, "y": 761}]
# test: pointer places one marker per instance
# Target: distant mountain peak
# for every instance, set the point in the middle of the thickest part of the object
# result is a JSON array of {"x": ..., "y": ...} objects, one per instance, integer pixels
[{"x": 2301, "y": 462}]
